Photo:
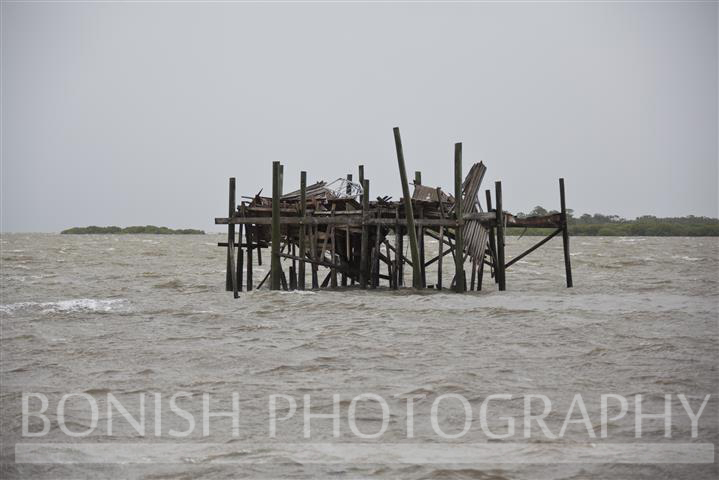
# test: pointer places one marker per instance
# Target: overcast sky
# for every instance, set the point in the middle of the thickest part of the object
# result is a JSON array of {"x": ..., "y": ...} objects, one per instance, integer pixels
[{"x": 126, "y": 114}]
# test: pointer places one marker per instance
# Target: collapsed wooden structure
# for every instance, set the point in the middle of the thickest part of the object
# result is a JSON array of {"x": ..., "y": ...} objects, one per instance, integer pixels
[{"x": 339, "y": 227}]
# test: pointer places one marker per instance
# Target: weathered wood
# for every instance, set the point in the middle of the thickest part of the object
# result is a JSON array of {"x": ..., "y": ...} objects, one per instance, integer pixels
[
  {"x": 440, "y": 241},
  {"x": 275, "y": 266},
  {"x": 375, "y": 258},
  {"x": 333, "y": 252},
  {"x": 230, "y": 238},
  {"x": 409, "y": 214},
  {"x": 354, "y": 221},
  {"x": 398, "y": 255},
  {"x": 532, "y": 248},
  {"x": 474, "y": 271},
  {"x": 360, "y": 177},
  {"x": 492, "y": 243},
  {"x": 293, "y": 277},
  {"x": 565, "y": 234},
  {"x": 303, "y": 231},
  {"x": 240, "y": 262},
  {"x": 420, "y": 239},
  {"x": 500, "y": 237},
  {"x": 248, "y": 274},
  {"x": 233, "y": 277},
  {"x": 460, "y": 283},
  {"x": 364, "y": 254},
  {"x": 315, "y": 280},
  {"x": 480, "y": 276},
  {"x": 390, "y": 265}
]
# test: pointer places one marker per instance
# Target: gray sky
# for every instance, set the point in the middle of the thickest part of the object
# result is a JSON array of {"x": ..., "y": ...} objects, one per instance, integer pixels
[{"x": 125, "y": 114}]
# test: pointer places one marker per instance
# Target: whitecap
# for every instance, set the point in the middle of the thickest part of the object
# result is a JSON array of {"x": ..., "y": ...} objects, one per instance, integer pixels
[{"x": 64, "y": 306}]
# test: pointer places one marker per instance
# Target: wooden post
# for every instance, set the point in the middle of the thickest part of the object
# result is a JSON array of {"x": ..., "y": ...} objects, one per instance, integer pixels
[
  {"x": 348, "y": 191},
  {"x": 480, "y": 275},
  {"x": 375, "y": 258},
  {"x": 303, "y": 231},
  {"x": 492, "y": 243},
  {"x": 248, "y": 236},
  {"x": 474, "y": 272},
  {"x": 441, "y": 241},
  {"x": 333, "y": 253},
  {"x": 460, "y": 281},
  {"x": 275, "y": 266},
  {"x": 233, "y": 279},
  {"x": 420, "y": 239},
  {"x": 500, "y": 237},
  {"x": 418, "y": 178},
  {"x": 240, "y": 258},
  {"x": 361, "y": 181},
  {"x": 398, "y": 251},
  {"x": 565, "y": 234},
  {"x": 408, "y": 213},
  {"x": 313, "y": 247},
  {"x": 230, "y": 238},
  {"x": 365, "y": 234}
]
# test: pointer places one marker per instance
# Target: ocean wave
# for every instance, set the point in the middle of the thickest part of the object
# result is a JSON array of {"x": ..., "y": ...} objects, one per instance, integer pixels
[{"x": 66, "y": 306}]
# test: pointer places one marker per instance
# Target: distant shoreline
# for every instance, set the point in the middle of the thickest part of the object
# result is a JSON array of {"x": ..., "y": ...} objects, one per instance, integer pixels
[{"x": 147, "y": 229}]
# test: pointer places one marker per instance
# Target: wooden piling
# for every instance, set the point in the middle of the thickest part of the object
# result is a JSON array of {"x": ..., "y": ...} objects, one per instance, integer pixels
[
  {"x": 303, "y": 232},
  {"x": 398, "y": 252},
  {"x": 249, "y": 230},
  {"x": 420, "y": 240},
  {"x": 460, "y": 281},
  {"x": 313, "y": 247},
  {"x": 500, "y": 237},
  {"x": 230, "y": 238},
  {"x": 409, "y": 214},
  {"x": 365, "y": 232},
  {"x": 240, "y": 258},
  {"x": 492, "y": 243},
  {"x": 375, "y": 258},
  {"x": 360, "y": 176},
  {"x": 565, "y": 234},
  {"x": 333, "y": 253},
  {"x": 275, "y": 265}
]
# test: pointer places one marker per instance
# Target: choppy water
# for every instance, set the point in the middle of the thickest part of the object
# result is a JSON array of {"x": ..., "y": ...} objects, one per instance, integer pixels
[{"x": 132, "y": 314}]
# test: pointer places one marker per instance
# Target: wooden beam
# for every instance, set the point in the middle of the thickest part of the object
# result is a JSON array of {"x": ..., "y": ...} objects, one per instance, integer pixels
[
  {"x": 364, "y": 254},
  {"x": 532, "y": 248},
  {"x": 303, "y": 232},
  {"x": 460, "y": 281},
  {"x": 565, "y": 235},
  {"x": 408, "y": 213},
  {"x": 275, "y": 265},
  {"x": 500, "y": 237},
  {"x": 230, "y": 238}
]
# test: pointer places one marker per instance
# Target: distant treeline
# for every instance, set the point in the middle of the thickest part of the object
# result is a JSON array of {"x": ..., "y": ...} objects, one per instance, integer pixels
[
  {"x": 152, "y": 229},
  {"x": 613, "y": 225}
]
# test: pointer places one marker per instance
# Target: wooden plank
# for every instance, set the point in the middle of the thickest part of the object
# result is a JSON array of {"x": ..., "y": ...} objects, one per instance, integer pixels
[
  {"x": 357, "y": 221},
  {"x": 408, "y": 213}
]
